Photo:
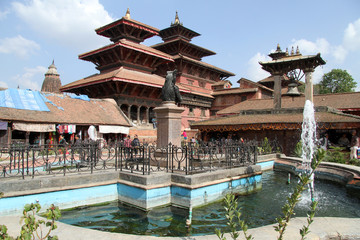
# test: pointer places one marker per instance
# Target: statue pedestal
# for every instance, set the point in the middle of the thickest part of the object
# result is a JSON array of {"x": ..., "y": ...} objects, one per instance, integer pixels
[{"x": 168, "y": 124}]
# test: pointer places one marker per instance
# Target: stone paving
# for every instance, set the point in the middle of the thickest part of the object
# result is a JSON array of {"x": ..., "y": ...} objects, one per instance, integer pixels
[{"x": 323, "y": 228}]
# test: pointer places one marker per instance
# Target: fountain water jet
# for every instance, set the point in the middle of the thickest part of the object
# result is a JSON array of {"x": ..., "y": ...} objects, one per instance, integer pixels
[{"x": 308, "y": 139}]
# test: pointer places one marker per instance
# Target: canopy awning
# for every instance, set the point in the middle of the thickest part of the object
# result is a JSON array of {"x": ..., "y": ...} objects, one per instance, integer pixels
[
  {"x": 113, "y": 129},
  {"x": 34, "y": 127}
]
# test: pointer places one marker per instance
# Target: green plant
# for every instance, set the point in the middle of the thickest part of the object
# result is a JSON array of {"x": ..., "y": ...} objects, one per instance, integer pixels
[
  {"x": 233, "y": 215},
  {"x": 233, "y": 212},
  {"x": 33, "y": 227},
  {"x": 298, "y": 149},
  {"x": 266, "y": 146},
  {"x": 335, "y": 154}
]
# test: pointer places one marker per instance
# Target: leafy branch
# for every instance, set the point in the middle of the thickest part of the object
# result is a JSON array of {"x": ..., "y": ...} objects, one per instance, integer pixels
[{"x": 33, "y": 228}]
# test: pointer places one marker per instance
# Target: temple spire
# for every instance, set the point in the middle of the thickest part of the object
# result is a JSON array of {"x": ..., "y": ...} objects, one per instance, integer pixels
[
  {"x": 278, "y": 49},
  {"x": 127, "y": 15},
  {"x": 177, "y": 20}
]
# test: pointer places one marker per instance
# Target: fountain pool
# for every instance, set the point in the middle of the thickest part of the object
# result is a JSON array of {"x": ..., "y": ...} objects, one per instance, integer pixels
[{"x": 259, "y": 209}]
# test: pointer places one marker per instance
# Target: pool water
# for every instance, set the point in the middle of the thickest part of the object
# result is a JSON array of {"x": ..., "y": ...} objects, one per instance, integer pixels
[{"x": 258, "y": 209}]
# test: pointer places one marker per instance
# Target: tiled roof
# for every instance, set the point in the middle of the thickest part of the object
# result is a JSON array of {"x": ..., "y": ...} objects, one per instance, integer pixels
[
  {"x": 129, "y": 44},
  {"x": 68, "y": 110},
  {"x": 204, "y": 64},
  {"x": 119, "y": 74},
  {"x": 255, "y": 84},
  {"x": 117, "y": 22},
  {"x": 336, "y": 100},
  {"x": 234, "y": 91},
  {"x": 295, "y": 57},
  {"x": 206, "y": 51},
  {"x": 221, "y": 83},
  {"x": 297, "y": 118}
]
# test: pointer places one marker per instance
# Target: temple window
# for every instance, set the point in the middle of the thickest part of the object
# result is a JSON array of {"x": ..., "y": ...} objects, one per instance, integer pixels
[{"x": 191, "y": 111}]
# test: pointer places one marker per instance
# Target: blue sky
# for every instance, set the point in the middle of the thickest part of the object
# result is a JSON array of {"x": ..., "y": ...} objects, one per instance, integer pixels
[{"x": 242, "y": 33}]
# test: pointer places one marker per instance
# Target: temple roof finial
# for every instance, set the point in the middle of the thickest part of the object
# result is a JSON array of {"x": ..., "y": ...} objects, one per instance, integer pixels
[
  {"x": 292, "y": 50},
  {"x": 297, "y": 50},
  {"x": 278, "y": 49},
  {"x": 127, "y": 15},
  {"x": 177, "y": 20},
  {"x": 287, "y": 52}
]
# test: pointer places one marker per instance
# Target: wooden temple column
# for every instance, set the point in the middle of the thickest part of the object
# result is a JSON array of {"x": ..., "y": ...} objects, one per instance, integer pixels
[
  {"x": 309, "y": 88},
  {"x": 138, "y": 115},
  {"x": 129, "y": 112},
  {"x": 27, "y": 138},
  {"x": 9, "y": 134},
  {"x": 277, "y": 90},
  {"x": 147, "y": 115}
]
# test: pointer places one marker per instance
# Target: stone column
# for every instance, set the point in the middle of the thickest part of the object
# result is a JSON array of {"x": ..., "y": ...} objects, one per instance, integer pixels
[
  {"x": 309, "y": 88},
  {"x": 168, "y": 124},
  {"x": 277, "y": 90}
]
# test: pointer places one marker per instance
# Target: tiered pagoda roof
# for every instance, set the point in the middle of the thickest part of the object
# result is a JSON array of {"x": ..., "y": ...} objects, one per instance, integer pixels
[
  {"x": 125, "y": 55},
  {"x": 177, "y": 41},
  {"x": 127, "y": 28}
]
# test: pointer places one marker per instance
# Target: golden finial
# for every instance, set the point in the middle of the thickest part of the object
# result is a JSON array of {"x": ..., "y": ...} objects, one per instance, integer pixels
[
  {"x": 177, "y": 21},
  {"x": 297, "y": 50},
  {"x": 287, "y": 52},
  {"x": 278, "y": 49},
  {"x": 292, "y": 50},
  {"x": 127, "y": 15}
]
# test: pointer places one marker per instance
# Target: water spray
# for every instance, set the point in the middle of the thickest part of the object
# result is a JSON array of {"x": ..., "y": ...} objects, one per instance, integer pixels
[{"x": 308, "y": 140}]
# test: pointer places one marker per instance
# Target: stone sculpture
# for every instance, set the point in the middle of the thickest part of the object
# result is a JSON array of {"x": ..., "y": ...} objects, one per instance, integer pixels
[{"x": 170, "y": 92}]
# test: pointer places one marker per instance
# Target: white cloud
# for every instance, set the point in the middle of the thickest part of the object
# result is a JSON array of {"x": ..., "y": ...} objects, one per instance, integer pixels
[
  {"x": 352, "y": 36},
  {"x": 310, "y": 48},
  {"x": 69, "y": 22},
  {"x": 32, "y": 78},
  {"x": 339, "y": 53},
  {"x": 19, "y": 46},
  {"x": 255, "y": 72}
]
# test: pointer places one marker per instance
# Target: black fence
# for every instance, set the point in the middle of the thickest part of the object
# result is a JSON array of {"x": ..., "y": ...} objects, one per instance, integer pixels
[{"x": 29, "y": 161}]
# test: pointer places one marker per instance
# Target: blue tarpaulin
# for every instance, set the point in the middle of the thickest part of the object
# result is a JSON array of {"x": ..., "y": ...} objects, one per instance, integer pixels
[{"x": 22, "y": 99}]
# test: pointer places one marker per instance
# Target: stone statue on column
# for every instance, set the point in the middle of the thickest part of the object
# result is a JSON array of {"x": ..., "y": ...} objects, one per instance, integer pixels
[{"x": 168, "y": 114}]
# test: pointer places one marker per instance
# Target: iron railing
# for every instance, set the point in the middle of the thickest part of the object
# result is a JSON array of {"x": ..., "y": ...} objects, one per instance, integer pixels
[{"x": 29, "y": 161}]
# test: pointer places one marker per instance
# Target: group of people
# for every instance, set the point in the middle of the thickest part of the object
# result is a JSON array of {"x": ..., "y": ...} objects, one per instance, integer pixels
[
  {"x": 343, "y": 141},
  {"x": 131, "y": 143}
]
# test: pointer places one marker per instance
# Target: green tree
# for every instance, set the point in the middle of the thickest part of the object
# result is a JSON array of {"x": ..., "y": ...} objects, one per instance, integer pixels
[{"x": 337, "y": 81}]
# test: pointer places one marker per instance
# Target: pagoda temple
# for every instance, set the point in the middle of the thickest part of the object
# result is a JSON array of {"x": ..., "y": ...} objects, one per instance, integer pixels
[
  {"x": 133, "y": 73},
  {"x": 193, "y": 74}
]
